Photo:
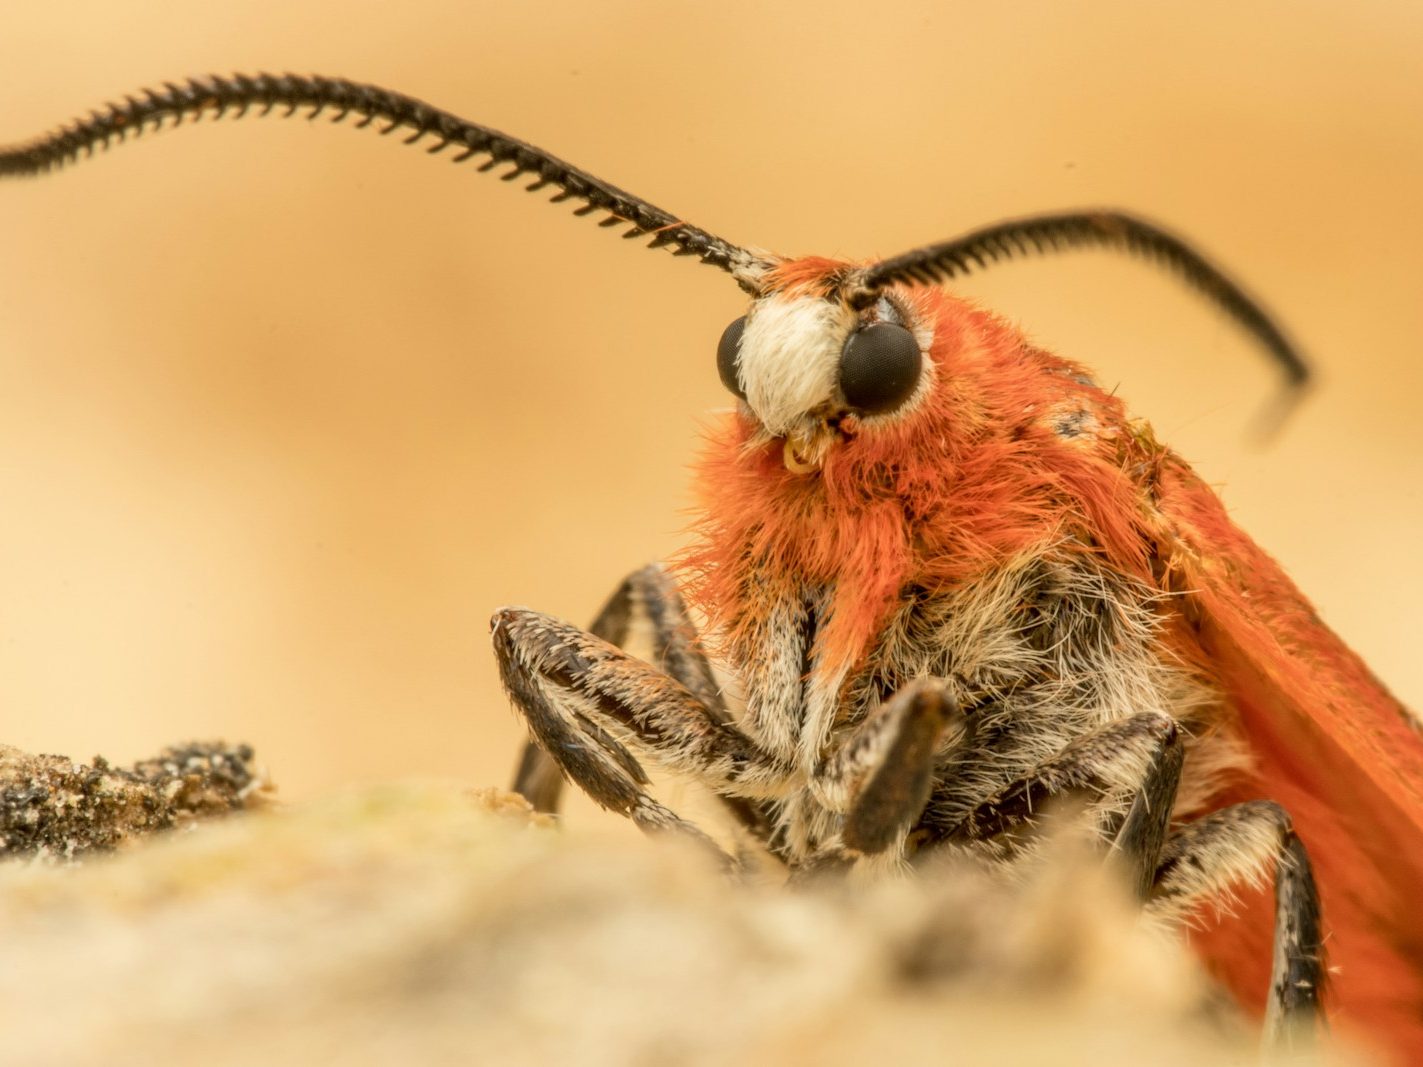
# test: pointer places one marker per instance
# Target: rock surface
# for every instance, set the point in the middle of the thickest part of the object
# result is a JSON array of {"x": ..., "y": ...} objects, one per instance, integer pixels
[
  {"x": 51, "y": 806},
  {"x": 423, "y": 924}
]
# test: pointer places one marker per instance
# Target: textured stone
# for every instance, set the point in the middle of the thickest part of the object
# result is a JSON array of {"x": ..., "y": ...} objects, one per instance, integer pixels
[
  {"x": 427, "y": 925},
  {"x": 51, "y": 806}
]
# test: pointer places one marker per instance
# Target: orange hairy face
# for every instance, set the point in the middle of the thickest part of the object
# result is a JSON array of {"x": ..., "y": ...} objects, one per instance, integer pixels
[{"x": 994, "y": 447}]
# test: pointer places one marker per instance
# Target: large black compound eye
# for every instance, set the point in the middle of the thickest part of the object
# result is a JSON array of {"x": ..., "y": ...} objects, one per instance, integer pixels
[
  {"x": 727, "y": 349},
  {"x": 879, "y": 367}
]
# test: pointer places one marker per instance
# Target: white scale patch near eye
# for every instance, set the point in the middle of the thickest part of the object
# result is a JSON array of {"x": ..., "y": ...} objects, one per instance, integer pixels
[{"x": 790, "y": 357}]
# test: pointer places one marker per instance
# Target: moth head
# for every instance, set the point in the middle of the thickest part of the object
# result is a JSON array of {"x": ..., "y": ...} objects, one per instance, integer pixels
[
  {"x": 815, "y": 366},
  {"x": 829, "y": 347}
]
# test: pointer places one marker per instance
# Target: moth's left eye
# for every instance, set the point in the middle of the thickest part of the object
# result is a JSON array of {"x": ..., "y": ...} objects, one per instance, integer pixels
[
  {"x": 727, "y": 351},
  {"x": 879, "y": 367}
]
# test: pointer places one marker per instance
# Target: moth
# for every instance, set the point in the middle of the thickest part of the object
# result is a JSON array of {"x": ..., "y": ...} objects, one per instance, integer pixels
[{"x": 940, "y": 581}]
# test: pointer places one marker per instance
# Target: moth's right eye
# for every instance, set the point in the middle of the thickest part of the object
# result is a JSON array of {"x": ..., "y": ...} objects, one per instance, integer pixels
[{"x": 727, "y": 350}]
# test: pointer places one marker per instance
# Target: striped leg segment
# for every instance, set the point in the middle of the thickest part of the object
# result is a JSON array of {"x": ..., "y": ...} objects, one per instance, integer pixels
[
  {"x": 585, "y": 700},
  {"x": 883, "y": 774},
  {"x": 1204, "y": 859},
  {"x": 1144, "y": 831},
  {"x": 646, "y": 596},
  {"x": 1115, "y": 759}
]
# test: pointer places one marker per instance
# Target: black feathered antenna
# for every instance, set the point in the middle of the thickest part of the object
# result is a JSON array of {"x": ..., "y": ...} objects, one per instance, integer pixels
[
  {"x": 237, "y": 94},
  {"x": 1041, "y": 234}
]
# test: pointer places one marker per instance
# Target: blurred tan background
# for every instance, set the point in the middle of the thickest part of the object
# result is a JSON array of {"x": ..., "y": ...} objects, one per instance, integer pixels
[{"x": 286, "y": 411}]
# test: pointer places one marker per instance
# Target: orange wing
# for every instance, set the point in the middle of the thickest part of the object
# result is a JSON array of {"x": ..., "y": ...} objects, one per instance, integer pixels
[{"x": 1331, "y": 744}]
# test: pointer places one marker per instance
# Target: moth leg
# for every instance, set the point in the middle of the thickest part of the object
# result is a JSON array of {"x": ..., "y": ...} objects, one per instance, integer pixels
[
  {"x": 880, "y": 778},
  {"x": 583, "y": 698},
  {"x": 677, "y": 650},
  {"x": 538, "y": 779},
  {"x": 882, "y": 775},
  {"x": 1143, "y": 833},
  {"x": 650, "y": 595},
  {"x": 648, "y": 592},
  {"x": 1117, "y": 758},
  {"x": 1205, "y": 858}
]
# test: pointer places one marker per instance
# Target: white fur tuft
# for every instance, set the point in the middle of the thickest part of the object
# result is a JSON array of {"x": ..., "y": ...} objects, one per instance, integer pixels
[{"x": 790, "y": 357}]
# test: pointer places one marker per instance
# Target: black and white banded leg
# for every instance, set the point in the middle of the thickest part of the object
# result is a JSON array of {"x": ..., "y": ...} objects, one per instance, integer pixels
[
  {"x": 649, "y": 596},
  {"x": 648, "y": 601},
  {"x": 1116, "y": 759},
  {"x": 882, "y": 775},
  {"x": 585, "y": 700},
  {"x": 537, "y": 778},
  {"x": 1204, "y": 859}
]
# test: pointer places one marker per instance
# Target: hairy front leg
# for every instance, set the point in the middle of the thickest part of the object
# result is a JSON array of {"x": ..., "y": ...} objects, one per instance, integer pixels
[
  {"x": 538, "y": 778},
  {"x": 648, "y": 596},
  {"x": 584, "y": 701},
  {"x": 883, "y": 774},
  {"x": 879, "y": 778}
]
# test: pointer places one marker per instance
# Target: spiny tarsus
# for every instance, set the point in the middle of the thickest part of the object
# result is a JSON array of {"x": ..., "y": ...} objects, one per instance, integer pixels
[{"x": 235, "y": 95}]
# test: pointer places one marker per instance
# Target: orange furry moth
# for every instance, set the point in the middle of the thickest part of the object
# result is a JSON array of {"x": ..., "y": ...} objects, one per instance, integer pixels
[{"x": 940, "y": 579}]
